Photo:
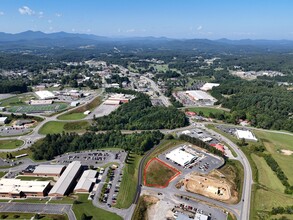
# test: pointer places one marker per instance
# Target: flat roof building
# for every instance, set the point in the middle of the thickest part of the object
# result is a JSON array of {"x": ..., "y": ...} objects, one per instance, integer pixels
[
  {"x": 48, "y": 170},
  {"x": 198, "y": 95},
  {"x": 181, "y": 157},
  {"x": 17, "y": 188},
  {"x": 246, "y": 134},
  {"x": 41, "y": 102},
  {"x": 199, "y": 216},
  {"x": 67, "y": 180},
  {"x": 86, "y": 181},
  {"x": 45, "y": 94},
  {"x": 209, "y": 86}
]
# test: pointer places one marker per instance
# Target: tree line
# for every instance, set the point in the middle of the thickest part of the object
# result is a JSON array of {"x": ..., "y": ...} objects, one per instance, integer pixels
[
  {"x": 139, "y": 114},
  {"x": 57, "y": 144}
]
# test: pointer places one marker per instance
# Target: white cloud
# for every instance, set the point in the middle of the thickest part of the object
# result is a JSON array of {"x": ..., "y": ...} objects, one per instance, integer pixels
[
  {"x": 26, "y": 11},
  {"x": 41, "y": 14},
  {"x": 50, "y": 21},
  {"x": 199, "y": 28},
  {"x": 1, "y": 13},
  {"x": 58, "y": 15},
  {"x": 73, "y": 30},
  {"x": 130, "y": 31}
]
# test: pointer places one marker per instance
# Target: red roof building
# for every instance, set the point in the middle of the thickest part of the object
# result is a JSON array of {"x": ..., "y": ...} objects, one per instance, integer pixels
[{"x": 219, "y": 146}]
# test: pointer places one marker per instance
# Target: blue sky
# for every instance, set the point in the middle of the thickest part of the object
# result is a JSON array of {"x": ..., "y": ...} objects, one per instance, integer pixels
[{"x": 212, "y": 19}]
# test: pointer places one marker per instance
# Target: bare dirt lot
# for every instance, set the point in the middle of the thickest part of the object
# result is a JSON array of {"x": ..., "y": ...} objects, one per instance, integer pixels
[
  {"x": 287, "y": 152},
  {"x": 213, "y": 186}
]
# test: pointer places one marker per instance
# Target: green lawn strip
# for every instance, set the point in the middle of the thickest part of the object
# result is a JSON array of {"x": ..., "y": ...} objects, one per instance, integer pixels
[
  {"x": 37, "y": 178},
  {"x": 16, "y": 100},
  {"x": 10, "y": 144},
  {"x": 72, "y": 116},
  {"x": 86, "y": 207},
  {"x": 129, "y": 182},
  {"x": 2, "y": 174},
  {"x": 30, "y": 200},
  {"x": 206, "y": 110},
  {"x": 53, "y": 127},
  {"x": 64, "y": 200},
  {"x": 266, "y": 176},
  {"x": 9, "y": 215}
]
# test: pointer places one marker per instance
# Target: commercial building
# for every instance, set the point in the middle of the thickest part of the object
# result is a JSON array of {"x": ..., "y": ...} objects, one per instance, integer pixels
[
  {"x": 199, "y": 216},
  {"x": 48, "y": 170},
  {"x": 16, "y": 188},
  {"x": 209, "y": 86},
  {"x": 219, "y": 146},
  {"x": 87, "y": 112},
  {"x": 74, "y": 104},
  {"x": 246, "y": 134},
  {"x": 86, "y": 181},
  {"x": 181, "y": 157},
  {"x": 3, "y": 120},
  {"x": 198, "y": 95},
  {"x": 45, "y": 94},
  {"x": 67, "y": 180}
]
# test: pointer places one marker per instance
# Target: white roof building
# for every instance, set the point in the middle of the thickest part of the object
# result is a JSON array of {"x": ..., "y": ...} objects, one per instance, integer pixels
[
  {"x": 209, "y": 86},
  {"x": 246, "y": 134},
  {"x": 45, "y": 94},
  {"x": 199, "y": 216},
  {"x": 66, "y": 179},
  {"x": 180, "y": 157},
  {"x": 49, "y": 170},
  {"x": 17, "y": 186},
  {"x": 87, "y": 112},
  {"x": 199, "y": 95},
  {"x": 3, "y": 120},
  {"x": 86, "y": 181}
]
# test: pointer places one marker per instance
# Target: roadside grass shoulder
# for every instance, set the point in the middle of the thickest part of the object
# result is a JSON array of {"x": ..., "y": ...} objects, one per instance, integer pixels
[
  {"x": 18, "y": 215},
  {"x": 86, "y": 207},
  {"x": 54, "y": 127},
  {"x": 10, "y": 144},
  {"x": 207, "y": 110},
  {"x": 129, "y": 181}
]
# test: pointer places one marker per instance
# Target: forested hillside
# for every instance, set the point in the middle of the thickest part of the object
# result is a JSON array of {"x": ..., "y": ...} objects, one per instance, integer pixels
[{"x": 139, "y": 114}]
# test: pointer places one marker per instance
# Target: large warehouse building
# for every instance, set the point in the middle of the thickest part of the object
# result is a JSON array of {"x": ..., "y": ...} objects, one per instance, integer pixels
[
  {"x": 181, "y": 157},
  {"x": 16, "y": 188},
  {"x": 246, "y": 134},
  {"x": 198, "y": 95},
  {"x": 86, "y": 181},
  {"x": 45, "y": 94},
  {"x": 49, "y": 170},
  {"x": 67, "y": 180}
]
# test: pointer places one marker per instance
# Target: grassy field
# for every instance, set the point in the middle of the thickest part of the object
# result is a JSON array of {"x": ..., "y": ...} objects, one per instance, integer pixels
[
  {"x": 53, "y": 127},
  {"x": 19, "y": 152},
  {"x": 38, "y": 108},
  {"x": 129, "y": 182},
  {"x": 10, "y": 144},
  {"x": 17, "y": 100},
  {"x": 158, "y": 174},
  {"x": 85, "y": 206},
  {"x": 37, "y": 178},
  {"x": 266, "y": 176},
  {"x": 206, "y": 110},
  {"x": 77, "y": 113},
  {"x": 274, "y": 143},
  {"x": 2, "y": 174}
]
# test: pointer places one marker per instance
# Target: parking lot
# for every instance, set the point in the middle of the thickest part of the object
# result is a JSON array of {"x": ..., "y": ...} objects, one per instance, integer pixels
[
  {"x": 200, "y": 134},
  {"x": 13, "y": 131},
  {"x": 204, "y": 164},
  {"x": 93, "y": 158},
  {"x": 102, "y": 110}
]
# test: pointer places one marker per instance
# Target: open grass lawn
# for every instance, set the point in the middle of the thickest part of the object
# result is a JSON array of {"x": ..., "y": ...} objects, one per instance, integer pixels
[
  {"x": 2, "y": 174},
  {"x": 274, "y": 143},
  {"x": 10, "y": 144},
  {"x": 19, "y": 152},
  {"x": 129, "y": 182},
  {"x": 266, "y": 176},
  {"x": 85, "y": 206},
  {"x": 7, "y": 215},
  {"x": 77, "y": 113},
  {"x": 158, "y": 174},
  {"x": 17, "y": 100},
  {"x": 37, "y": 178},
  {"x": 53, "y": 127},
  {"x": 63, "y": 200},
  {"x": 206, "y": 110}
]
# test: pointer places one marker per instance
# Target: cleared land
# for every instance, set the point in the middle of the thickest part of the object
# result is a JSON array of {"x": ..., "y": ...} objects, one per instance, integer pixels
[
  {"x": 206, "y": 110},
  {"x": 274, "y": 143},
  {"x": 144, "y": 204},
  {"x": 158, "y": 174},
  {"x": 129, "y": 182},
  {"x": 77, "y": 113},
  {"x": 53, "y": 127},
  {"x": 10, "y": 144},
  {"x": 86, "y": 207}
]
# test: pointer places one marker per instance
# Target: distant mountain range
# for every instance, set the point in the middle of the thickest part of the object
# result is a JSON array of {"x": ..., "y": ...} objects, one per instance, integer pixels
[{"x": 37, "y": 39}]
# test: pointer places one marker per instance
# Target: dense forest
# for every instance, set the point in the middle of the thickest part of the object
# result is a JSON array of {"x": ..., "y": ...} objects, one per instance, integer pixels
[
  {"x": 57, "y": 144},
  {"x": 12, "y": 86},
  {"x": 263, "y": 103},
  {"x": 139, "y": 114}
]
